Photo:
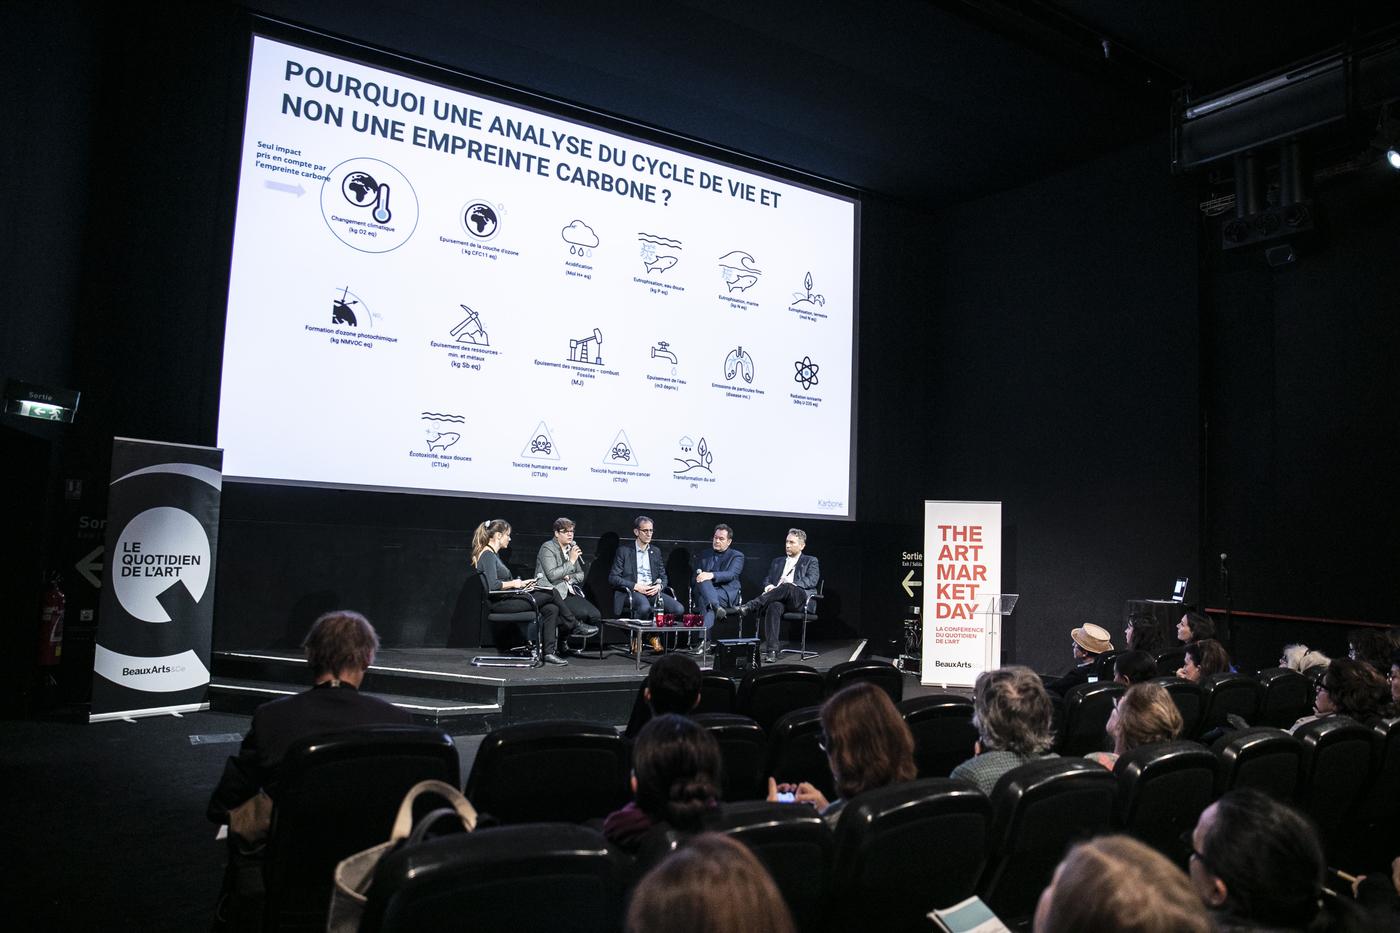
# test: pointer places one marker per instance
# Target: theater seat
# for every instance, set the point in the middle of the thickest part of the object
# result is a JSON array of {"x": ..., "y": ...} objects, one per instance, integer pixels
[
  {"x": 1226, "y": 694},
  {"x": 943, "y": 732},
  {"x": 717, "y": 692},
  {"x": 1170, "y": 661},
  {"x": 1187, "y": 697},
  {"x": 795, "y": 845},
  {"x": 1162, "y": 790},
  {"x": 1336, "y": 773},
  {"x": 1381, "y": 811},
  {"x": 1087, "y": 708},
  {"x": 1286, "y": 697},
  {"x": 1264, "y": 758},
  {"x": 539, "y": 876},
  {"x": 794, "y": 754},
  {"x": 769, "y": 692},
  {"x": 338, "y": 794},
  {"x": 551, "y": 771},
  {"x": 744, "y": 749},
  {"x": 1038, "y": 810},
  {"x": 881, "y": 673},
  {"x": 903, "y": 850}
]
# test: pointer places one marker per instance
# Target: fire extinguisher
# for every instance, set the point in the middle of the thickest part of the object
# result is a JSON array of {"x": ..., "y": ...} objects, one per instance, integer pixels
[{"x": 51, "y": 623}]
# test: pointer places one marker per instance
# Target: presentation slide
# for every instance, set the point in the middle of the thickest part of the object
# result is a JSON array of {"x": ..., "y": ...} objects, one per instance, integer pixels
[{"x": 435, "y": 291}]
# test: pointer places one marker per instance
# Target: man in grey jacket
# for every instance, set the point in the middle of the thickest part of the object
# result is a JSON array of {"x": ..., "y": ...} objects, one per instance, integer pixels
[{"x": 559, "y": 565}]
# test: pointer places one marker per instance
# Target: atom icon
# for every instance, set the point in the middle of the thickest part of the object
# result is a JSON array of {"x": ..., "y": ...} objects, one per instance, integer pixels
[
  {"x": 806, "y": 372},
  {"x": 541, "y": 444},
  {"x": 620, "y": 452}
]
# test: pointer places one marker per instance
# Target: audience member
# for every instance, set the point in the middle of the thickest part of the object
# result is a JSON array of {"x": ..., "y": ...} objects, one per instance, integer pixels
[
  {"x": 1349, "y": 688},
  {"x": 1391, "y": 710},
  {"x": 867, "y": 744},
  {"x": 1299, "y": 658},
  {"x": 1194, "y": 626},
  {"x": 675, "y": 780},
  {"x": 1087, "y": 643},
  {"x": 1142, "y": 633},
  {"x": 1256, "y": 863},
  {"x": 1134, "y": 667},
  {"x": 1204, "y": 658},
  {"x": 711, "y": 885},
  {"x": 672, "y": 685},
  {"x": 1144, "y": 715},
  {"x": 339, "y": 649},
  {"x": 1115, "y": 884},
  {"x": 1011, "y": 712},
  {"x": 1371, "y": 645}
]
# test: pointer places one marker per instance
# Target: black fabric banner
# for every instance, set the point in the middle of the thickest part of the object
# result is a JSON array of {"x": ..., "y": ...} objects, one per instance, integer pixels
[{"x": 156, "y": 621}]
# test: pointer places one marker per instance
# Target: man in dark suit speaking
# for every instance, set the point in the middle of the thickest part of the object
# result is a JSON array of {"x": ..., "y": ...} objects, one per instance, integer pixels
[
  {"x": 717, "y": 579},
  {"x": 639, "y": 577},
  {"x": 791, "y": 580}
]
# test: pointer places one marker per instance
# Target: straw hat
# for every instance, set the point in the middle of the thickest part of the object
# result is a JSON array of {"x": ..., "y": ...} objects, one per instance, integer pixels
[{"x": 1092, "y": 638}]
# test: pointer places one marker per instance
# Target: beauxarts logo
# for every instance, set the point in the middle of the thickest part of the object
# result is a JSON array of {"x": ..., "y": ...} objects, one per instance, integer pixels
[
  {"x": 938, "y": 663},
  {"x": 156, "y": 669}
]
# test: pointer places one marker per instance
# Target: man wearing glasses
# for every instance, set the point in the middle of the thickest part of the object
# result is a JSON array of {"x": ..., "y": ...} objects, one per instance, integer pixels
[{"x": 638, "y": 578}]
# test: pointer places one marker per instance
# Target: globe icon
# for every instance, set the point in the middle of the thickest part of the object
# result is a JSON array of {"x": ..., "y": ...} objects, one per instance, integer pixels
[
  {"x": 359, "y": 188},
  {"x": 481, "y": 220}
]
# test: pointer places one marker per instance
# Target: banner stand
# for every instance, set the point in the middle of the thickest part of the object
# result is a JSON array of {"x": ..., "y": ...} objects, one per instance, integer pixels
[
  {"x": 962, "y": 572},
  {"x": 156, "y": 618}
]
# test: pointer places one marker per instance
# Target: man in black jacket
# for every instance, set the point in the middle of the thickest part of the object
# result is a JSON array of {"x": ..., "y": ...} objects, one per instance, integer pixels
[{"x": 791, "y": 581}]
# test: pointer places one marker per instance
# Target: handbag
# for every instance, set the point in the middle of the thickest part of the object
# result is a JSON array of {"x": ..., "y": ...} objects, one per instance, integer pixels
[{"x": 354, "y": 873}]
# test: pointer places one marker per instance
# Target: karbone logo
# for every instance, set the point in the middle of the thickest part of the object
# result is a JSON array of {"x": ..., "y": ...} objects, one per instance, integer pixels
[{"x": 158, "y": 549}]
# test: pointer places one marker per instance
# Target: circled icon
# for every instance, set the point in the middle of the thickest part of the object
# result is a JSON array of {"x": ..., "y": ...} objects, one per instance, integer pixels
[
  {"x": 369, "y": 205},
  {"x": 481, "y": 219}
]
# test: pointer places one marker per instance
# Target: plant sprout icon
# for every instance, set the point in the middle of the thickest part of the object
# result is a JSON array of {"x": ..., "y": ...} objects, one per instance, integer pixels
[
  {"x": 808, "y": 296},
  {"x": 702, "y": 461}
]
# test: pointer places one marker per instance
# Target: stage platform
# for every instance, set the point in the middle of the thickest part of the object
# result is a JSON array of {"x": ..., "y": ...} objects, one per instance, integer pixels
[{"x": 441, "y": 688}]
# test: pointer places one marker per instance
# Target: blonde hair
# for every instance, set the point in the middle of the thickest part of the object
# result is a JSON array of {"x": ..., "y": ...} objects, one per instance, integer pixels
[
  {"x": 1146, "y": 714},
  {"x": 1115, "y": 883},
  {"x": 712, "y": 885},
  {"x": 484, "y": 532}
]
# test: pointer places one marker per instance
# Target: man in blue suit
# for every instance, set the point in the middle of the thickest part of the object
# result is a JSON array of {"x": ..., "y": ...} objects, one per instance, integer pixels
[
  {"x": 791, "y": 580},
  {"x": 717, "y": 579},
  {"x": 638, "y": 577}
]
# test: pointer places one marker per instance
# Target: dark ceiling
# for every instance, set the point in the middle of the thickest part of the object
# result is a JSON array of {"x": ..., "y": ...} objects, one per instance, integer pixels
[{"x": 930, "y": 102}]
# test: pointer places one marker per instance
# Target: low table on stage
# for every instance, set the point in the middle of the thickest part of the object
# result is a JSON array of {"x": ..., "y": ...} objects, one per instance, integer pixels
[{"x": 639, "y": 630}]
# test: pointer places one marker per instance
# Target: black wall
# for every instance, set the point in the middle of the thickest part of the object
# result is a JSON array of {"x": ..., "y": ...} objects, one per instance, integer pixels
[{"x": 1041, "y": 346}]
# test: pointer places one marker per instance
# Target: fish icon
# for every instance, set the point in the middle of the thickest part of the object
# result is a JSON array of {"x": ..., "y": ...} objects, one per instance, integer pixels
[
  {"x": 442, "y": 440},
  {"x": 741, "y": 283},
  {"x": 662, "y": 263}
]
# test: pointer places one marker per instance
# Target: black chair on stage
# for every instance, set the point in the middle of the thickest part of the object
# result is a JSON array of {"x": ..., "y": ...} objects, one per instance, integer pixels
[
  {"x": 943, "y": 733},
  {"x": 1188, "y": 700},
  {"x": 904, "y": 850},
  {"x": 558, "y": 771},
  {"x": 1170, "y": 661},
  {"x": 1338, "y": 755},
  {"x": 795, "y": 845},
  {"x": 795, "y": 754},
  {"x": 1286, "y": 696},
  {"x": 495, "y": 625},
  {"x": 501, "y": 879},
  {"x": 1265, "y": 758},
  {"x": 807, "y": 614},
  {"x": 1038, "y": 810},
  {"x": 1162, "y": 790},
  {"x": 1228, "y": 694},
  {"x": 743, "y": 746},
  {"x": 339, "y": 794},
  {"x": 1087, "y": 708},
  {"x": 717, "y": 693},
  {"x": 769, "y": 692},
  {"x": 880, "y": 673}
]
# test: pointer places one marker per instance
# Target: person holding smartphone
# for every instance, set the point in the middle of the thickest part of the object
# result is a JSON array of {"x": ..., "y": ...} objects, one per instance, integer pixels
[{"x": 490, "y": 538}]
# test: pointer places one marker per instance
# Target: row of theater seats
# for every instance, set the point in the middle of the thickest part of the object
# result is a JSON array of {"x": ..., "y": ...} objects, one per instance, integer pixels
[{"x": 898, "y": 852}]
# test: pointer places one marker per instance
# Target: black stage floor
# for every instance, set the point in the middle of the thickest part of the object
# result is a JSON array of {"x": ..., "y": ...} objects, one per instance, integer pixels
[{"x": 441, "y": 687}]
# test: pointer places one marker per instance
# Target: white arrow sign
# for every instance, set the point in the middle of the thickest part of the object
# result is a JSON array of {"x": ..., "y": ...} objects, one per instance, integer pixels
[
  {"x": 908, "y": 582},
  {"x": 90, "y": 568}
]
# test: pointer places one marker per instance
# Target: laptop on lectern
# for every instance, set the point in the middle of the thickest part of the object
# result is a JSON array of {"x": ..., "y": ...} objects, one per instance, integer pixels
[{"x": 1179, "y": 591}]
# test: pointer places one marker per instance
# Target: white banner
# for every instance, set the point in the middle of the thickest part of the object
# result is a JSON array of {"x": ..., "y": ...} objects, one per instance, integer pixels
[{"x": 962, "y": 589}]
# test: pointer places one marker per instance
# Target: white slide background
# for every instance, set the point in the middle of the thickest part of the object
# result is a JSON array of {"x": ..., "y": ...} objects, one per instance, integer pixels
[{"x": 414, "y": 396}]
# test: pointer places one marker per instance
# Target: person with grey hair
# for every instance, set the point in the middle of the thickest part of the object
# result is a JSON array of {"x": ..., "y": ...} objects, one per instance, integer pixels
[
  {"x": 1011, "y": 712},
  {"x": 339, "y": 649},
  {"x": 1301, "y": 659},
  {"x": 790, "y": 582}
]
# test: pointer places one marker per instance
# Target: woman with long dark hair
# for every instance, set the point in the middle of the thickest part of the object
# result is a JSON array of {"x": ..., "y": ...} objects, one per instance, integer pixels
[{"x": 490, "y": 538}]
